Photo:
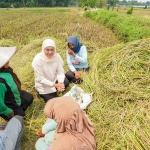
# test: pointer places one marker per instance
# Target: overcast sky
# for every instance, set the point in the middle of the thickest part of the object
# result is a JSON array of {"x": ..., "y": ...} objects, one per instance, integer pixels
[
  {"x": 143, "y": 0},
  {"x": 140, "y": 0}
]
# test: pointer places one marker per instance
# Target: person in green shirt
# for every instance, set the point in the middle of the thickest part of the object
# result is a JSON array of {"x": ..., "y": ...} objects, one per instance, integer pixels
[{"x": 13, "y": 100}]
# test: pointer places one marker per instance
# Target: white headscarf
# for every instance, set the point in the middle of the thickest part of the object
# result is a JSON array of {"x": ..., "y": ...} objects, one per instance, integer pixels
[{"x": 55, "y": 57}]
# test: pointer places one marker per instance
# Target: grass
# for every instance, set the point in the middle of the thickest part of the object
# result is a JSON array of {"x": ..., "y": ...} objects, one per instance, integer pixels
[
  {"x": 35, "y": 10},
  {"x": 23, "y": 27},
  {"x": 119, "y": 76},
  {"x": 140, "y": 12},
  {"x": 126, "y": 27}
]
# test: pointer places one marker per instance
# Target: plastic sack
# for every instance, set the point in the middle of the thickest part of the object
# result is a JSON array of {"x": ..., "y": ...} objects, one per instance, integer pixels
[{"x": 78, "y": 94}]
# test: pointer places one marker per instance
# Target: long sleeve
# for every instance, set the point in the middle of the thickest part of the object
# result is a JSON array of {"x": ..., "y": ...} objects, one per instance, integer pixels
[
  {"x": 39, "y": 74},
  {"x": 47, "y": 73},
  {"x": 60, "y": 73},
  {"x": 69, "y": 62},
  {"x": 49, "y": 125},
  {"x": 82, "y": 58},
  {"x": 3, "y": 108}
]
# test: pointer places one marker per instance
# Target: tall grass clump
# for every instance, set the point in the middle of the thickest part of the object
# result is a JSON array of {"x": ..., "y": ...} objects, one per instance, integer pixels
[
  {"x": 130, "y": 11},
  {"x": 120, "y": 80},
  {"x": 124, "y": 72},
  {"x": 126, "y": 27}
]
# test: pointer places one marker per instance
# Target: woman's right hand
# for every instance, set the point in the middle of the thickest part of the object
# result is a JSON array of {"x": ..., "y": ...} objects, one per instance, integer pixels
[
  {"x": 71, "y": 52},
  {"x": 60, "y": 86},
  {"x": 11, "y": 115},
  {"x": 40, "y": 134},
  {"x": 77, "y": 74}
]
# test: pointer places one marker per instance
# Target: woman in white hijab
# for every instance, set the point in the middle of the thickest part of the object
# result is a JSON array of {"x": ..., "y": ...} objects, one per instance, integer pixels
[{"x": 49, "y": 71}]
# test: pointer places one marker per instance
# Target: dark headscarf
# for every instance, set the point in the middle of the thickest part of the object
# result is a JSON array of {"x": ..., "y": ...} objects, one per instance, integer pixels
[
  {"x": 74, "y": 40},
  {"x": 15, "y": 77}
]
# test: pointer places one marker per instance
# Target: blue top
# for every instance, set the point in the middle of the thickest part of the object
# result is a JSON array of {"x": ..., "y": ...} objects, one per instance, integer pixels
[
  {"x": 80, "y": 61},
  {"x": 9, "y": 137},
  {"x": 74, "y": 40}
]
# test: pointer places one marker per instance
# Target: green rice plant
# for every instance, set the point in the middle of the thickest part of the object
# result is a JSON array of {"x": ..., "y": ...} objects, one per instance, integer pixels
[
  {"x": 129, "y": 12},
  {"x": 127, "y": 28}
]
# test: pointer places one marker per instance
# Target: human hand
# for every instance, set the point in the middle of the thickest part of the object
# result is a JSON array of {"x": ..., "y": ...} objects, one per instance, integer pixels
[
  {"x": 40, "y": 134},
  {"x": 11, "y": 115},
  {"x": 71, "y": 52},
  {"x": 60, "y": 86},
  {"x": 2, "y": 128},
  {"x": 77, "y": 74}
]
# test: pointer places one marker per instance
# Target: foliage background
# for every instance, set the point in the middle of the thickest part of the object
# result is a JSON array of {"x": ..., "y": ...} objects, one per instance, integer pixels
[
  {"x": 119, "y": 75},
  {"x": 66, "y": 3}
]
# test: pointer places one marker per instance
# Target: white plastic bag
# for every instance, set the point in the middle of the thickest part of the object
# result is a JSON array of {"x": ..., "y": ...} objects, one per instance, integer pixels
[{"x": 83, "y": 98}]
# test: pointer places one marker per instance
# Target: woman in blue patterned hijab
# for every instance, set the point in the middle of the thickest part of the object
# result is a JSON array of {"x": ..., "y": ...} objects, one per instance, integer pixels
[
  {"x": 76, "y": 59},
  {"x": 77, "y": 45}
]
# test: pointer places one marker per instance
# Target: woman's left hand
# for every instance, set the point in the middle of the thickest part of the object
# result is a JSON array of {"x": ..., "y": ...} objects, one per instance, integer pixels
[{"x": 61, "y": 88}]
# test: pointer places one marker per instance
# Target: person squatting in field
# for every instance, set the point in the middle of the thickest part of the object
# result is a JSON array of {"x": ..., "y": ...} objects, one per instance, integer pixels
[
  {"x": 49, "y": 71},
  {"x": 74, "y": 130},
  {"x": 76, "y": 59},
  {"x": 13, "y": 100}
]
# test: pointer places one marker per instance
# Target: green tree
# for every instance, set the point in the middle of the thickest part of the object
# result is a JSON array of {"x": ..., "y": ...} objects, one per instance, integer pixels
[
  {"x": 92, "y": 3},
  {"x": 100, "y": 3}
]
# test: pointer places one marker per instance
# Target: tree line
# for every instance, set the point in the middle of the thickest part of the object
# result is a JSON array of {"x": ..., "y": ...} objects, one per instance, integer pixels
[
  {"x": 101, "y": 3},
  {"x": 66, "y": 3},
  {"x": 36, "y": 3}
]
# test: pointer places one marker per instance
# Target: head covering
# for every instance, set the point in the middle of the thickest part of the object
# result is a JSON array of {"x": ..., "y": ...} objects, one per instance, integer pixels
[
  {"x": 74, "y": 130},
  {"x": 15, "y": 77},
  {"x": 55, "y": 57},
  {"x": 74, "y": 40},
  {"x": 5, "y": 54}
]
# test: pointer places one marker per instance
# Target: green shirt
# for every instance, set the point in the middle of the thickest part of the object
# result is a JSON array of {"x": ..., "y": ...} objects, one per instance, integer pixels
[{"x": 9, "y": 94}]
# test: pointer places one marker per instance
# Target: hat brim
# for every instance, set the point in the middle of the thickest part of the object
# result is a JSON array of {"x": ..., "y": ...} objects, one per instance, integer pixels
[{"x": 5, "y": 54}]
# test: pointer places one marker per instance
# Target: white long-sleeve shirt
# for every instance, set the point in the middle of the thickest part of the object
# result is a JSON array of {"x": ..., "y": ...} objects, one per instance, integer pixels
[{"x": 46, "y": 74}]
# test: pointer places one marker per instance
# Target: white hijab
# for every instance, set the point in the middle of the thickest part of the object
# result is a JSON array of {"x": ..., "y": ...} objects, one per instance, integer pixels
[{"x": 55, "y": 57}]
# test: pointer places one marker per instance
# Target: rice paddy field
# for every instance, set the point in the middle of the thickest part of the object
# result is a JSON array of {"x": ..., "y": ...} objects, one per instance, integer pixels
[
  {"x": 119, "y": 76},
  {"x": 145, "y": 13}
]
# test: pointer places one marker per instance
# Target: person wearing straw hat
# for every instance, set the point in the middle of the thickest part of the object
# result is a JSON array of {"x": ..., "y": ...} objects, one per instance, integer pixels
[
  {"x": 10, "y": 137},
  {"x": 49, "y": 71},
  {"x": 13, "y": 100}
]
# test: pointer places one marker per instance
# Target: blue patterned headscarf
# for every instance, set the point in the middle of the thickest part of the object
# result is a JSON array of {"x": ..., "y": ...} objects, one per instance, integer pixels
[{"x": 74, "y": 40}]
